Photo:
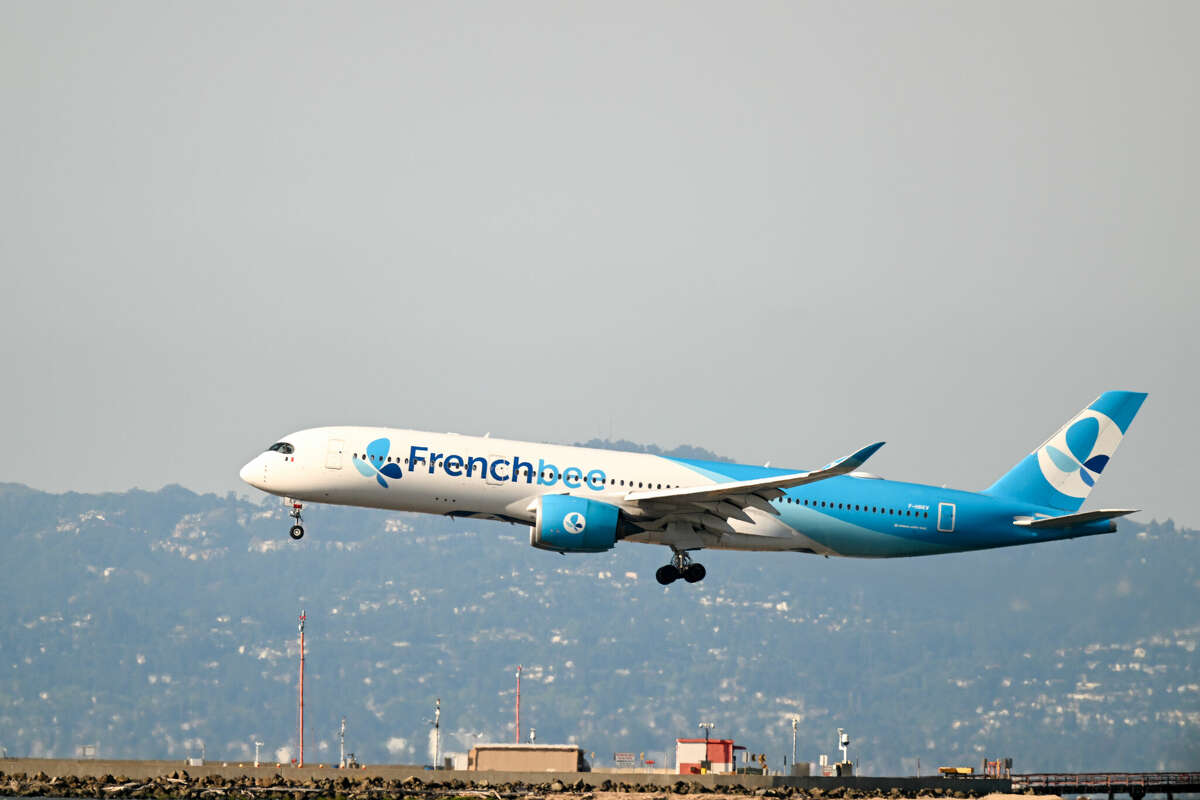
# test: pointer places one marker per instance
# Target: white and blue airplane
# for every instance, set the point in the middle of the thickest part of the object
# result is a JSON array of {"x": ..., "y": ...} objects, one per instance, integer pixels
[{"x": 583, "y": 500}]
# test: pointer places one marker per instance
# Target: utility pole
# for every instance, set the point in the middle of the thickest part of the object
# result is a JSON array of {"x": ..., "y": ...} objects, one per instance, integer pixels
[
  {"x": 303, "y": 617},
  {"x": 518, "y": 704}
]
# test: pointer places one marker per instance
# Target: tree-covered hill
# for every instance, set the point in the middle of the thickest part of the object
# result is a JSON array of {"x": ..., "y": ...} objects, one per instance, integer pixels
[{"x": 149, "y": 622}]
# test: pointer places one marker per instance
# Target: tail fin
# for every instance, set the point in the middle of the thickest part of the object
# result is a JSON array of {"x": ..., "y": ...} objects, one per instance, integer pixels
[{"x": 1062, "y": 472}]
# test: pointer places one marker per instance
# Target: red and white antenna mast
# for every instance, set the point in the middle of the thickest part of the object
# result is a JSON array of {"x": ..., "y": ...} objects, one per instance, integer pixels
[
  {"x": 518, "y": 704},
  {"x": 303, "y": 616}
]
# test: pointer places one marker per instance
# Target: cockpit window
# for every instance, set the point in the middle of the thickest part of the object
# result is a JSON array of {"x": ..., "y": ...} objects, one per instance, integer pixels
[{"x": 282, "y": 447}]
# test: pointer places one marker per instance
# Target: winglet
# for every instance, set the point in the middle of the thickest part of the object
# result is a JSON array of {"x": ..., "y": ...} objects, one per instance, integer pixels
[{"x": 856, "y": 459}]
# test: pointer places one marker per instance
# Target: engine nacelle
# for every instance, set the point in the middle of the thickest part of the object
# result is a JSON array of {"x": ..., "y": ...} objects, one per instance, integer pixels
[{"x": 568, "y": 524}]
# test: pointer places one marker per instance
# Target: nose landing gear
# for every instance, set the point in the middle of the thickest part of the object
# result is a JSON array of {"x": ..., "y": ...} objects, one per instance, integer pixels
[
  {"x": 297, "y": 531},
  {"x": 681, "y": 566}
]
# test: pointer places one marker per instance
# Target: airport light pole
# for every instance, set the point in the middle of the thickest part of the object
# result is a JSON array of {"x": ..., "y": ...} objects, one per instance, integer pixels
[
  {"x": 437, "y": 733},
  {"x": 303, "y": 617},
  {"x": 795, "y": 724},
  {"x": 518, "y": 704},
  {"x": 707, "y": 726}
]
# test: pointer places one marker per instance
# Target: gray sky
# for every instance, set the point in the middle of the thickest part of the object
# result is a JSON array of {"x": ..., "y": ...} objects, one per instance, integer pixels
[{"x": 777, "y": 230}]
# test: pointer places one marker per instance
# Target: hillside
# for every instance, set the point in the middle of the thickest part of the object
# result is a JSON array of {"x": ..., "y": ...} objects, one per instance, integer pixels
[{"x": 150, "y": 622}]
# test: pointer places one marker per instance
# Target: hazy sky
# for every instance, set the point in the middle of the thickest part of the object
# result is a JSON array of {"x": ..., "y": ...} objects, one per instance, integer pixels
[{"x": 777, "y": 230}]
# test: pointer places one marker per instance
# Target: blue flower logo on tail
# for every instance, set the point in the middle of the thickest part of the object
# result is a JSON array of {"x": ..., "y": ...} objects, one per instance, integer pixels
[
  {"x": 1073, "y": 458},
  {"x": 376, "y": 465}
]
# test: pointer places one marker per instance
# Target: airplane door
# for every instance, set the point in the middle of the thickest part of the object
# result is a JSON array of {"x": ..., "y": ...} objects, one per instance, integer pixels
[
  {"x": 333, "y": 454},
  {"x": 945, "y": 517}
]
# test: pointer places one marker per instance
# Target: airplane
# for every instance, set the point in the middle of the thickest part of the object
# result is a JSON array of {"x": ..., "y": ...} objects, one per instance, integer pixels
[{"x": 584, "y": 500}]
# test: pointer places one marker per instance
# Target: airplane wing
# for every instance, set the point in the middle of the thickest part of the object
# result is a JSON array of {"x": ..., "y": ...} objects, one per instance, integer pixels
[
  {"x": 720, "y": 491},
  {"x": 1067, "y": 520},
  {"x": 709, "y": 508}
]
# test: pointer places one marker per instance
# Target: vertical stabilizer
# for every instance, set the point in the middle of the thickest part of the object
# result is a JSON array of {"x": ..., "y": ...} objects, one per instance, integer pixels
[{"x": 1062, "y": 472}]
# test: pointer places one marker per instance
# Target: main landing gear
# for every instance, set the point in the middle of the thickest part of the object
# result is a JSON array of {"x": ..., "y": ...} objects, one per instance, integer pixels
[
  {"x": 681, "y": 566},
  {"x": 297, "y": 531}
]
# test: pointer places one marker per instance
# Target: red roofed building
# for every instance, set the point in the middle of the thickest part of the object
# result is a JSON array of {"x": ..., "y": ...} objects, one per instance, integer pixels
[{"x": 716, "y": 755}]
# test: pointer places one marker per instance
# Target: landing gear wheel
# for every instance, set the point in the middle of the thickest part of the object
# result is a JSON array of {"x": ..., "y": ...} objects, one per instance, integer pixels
[
  {"x": 297, "y": 531},
  {"x": 681, "y": 566}
]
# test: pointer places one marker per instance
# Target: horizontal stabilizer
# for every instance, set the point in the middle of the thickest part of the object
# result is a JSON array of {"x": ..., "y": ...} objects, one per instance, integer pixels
[{"x": 1070, "y": 520}]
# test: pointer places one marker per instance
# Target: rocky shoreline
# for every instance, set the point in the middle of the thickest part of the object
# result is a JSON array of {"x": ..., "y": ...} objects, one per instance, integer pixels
[{"x": 180, "y": 786}]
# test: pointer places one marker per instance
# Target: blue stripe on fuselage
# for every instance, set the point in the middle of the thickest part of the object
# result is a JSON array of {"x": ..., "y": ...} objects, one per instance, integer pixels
[{"x": 886, "y": 519}]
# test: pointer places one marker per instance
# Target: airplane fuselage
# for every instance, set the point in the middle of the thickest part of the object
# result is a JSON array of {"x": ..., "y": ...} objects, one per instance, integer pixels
[{"x": 852, "y": 515}]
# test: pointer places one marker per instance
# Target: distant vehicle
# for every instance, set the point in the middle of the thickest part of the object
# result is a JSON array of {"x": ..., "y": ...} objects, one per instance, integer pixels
[{"x": 582, "y": 500}]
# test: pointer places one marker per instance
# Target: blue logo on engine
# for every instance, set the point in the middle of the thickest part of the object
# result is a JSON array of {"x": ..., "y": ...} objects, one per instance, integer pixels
[
  {"x": 574, "y": 522},
  {"x": 375, "y": 463}
]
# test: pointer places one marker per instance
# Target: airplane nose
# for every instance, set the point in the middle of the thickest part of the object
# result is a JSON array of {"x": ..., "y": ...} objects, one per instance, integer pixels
[{"x": 250, "y": 472}]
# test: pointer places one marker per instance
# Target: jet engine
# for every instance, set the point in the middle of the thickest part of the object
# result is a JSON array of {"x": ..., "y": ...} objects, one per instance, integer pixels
[{"x": 568, "y": 524}]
